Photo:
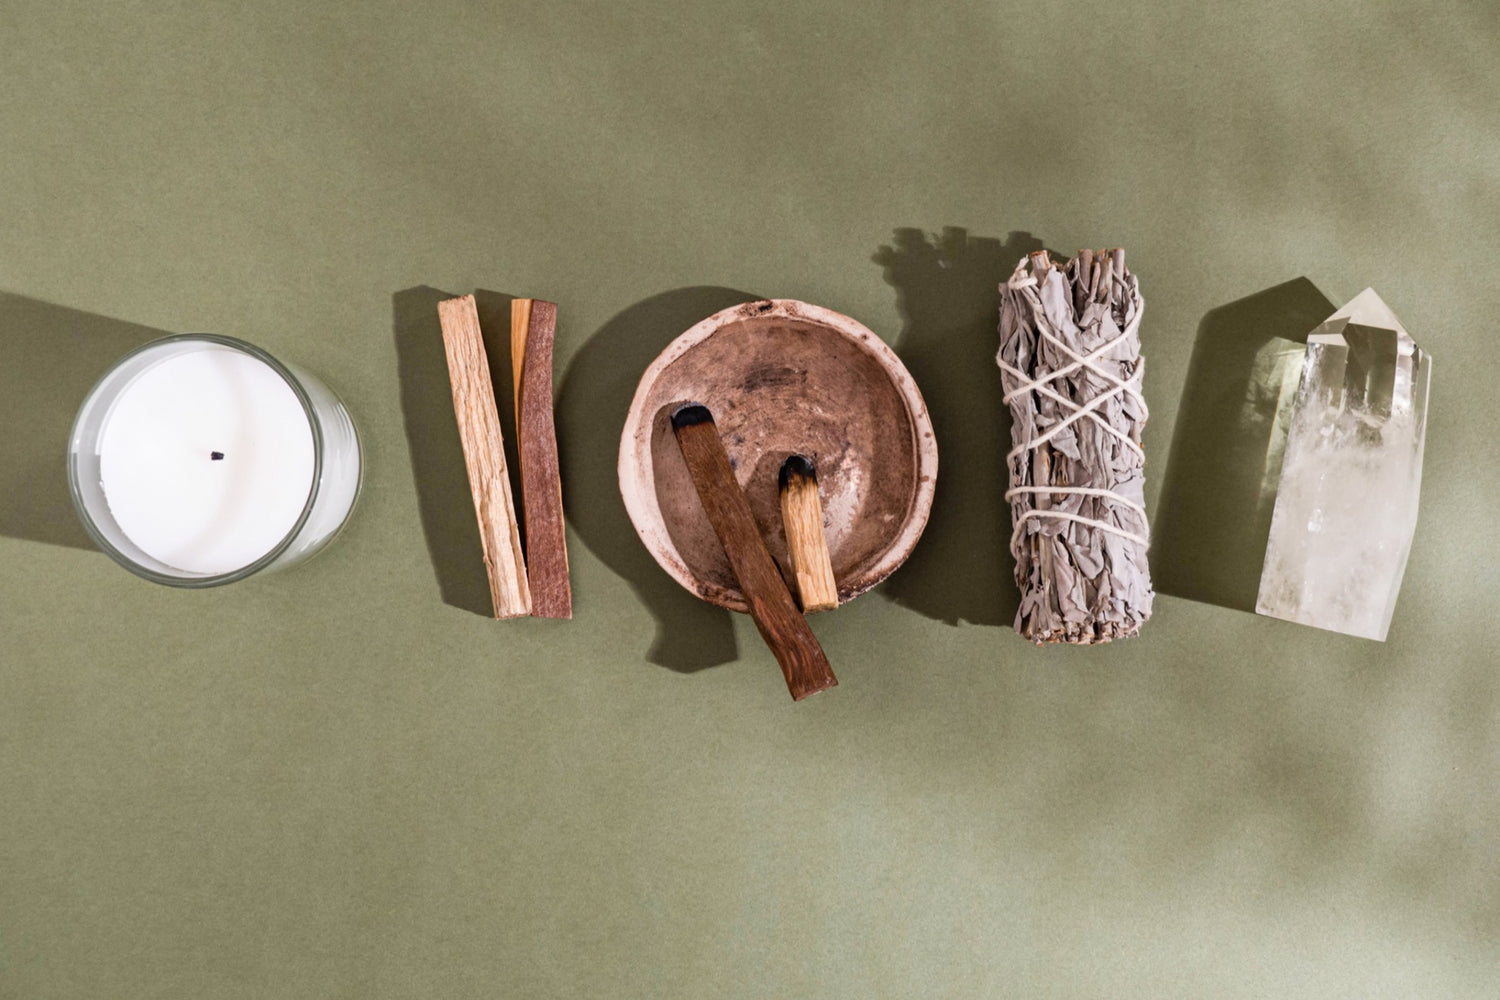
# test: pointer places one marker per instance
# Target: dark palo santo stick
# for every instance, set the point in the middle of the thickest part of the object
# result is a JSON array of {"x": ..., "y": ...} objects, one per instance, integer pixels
[
  {"x": 484, "y": 455},
  {"x": 771, "y": 605},
  {"x": 533, "y": 327},
  {"x": 802, "y": 517}
]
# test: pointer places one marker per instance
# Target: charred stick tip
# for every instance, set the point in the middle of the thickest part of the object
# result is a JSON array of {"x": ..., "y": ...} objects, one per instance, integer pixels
[
  {"x": 798, "y": 465},
  {"x": 689, "y": 414}
]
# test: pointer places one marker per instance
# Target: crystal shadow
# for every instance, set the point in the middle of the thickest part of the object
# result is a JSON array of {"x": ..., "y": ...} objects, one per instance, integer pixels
[{"x": 1214, "y": 517}]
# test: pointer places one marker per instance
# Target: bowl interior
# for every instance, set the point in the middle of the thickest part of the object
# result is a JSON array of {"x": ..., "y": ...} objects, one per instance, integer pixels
[{"x": 783, "y": 377}]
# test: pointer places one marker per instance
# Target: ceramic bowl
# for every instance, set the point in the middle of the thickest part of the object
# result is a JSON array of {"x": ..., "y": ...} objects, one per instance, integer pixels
[{"x": 783, "y": 377}]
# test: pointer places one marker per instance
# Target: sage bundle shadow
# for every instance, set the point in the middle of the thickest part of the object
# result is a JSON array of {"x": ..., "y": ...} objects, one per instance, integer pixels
[{"x": 1071, "y": 366}]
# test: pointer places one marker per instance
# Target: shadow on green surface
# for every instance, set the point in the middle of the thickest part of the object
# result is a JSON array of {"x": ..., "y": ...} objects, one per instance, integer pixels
[
  {"x": 444, "y": 502},
  {"x": 50, "y": 356},
  {"x": 1209, "y": 535},
  {"x": 948, "y": 292},
  {"x": 595, "y": 397}
]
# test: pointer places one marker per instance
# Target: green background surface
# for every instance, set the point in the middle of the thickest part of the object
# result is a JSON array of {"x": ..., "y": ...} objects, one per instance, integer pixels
[{"x": 341, "y": 782}]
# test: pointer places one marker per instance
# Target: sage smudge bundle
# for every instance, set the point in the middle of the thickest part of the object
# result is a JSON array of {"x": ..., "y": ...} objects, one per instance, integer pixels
[{"x": 1071, "y": 366}]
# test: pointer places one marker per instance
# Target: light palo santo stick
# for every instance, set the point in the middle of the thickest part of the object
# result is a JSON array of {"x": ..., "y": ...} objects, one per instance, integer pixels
[
  {"x": 802, "y": 517},
  {"x": 533, "y": 330},
  {"x": 520, "y": 325},
  {"x": 484, "y": 456}
]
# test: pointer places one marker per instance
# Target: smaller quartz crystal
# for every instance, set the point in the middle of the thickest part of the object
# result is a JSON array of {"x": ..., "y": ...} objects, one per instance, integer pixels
[{"x": 1346, "y": 506}]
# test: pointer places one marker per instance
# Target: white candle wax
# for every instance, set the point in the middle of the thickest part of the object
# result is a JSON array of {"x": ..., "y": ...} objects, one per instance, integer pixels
[{"x": 206, "y": 460}]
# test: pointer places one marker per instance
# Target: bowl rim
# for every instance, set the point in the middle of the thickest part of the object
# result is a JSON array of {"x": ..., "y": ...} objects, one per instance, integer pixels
[{"x": 632, "y": 468}]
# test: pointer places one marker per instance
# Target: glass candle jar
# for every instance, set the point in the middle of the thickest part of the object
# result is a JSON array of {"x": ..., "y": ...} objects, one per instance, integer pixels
[{"x": 199, "y": 460}]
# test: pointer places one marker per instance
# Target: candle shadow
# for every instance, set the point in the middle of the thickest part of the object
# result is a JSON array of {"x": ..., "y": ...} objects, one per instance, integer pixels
[
  {"x": 444, "y": 501},
  {"x": 1210, "y": 531},
  {"x": 595, "y": 397},
  {"x": 948, "y": 293},
  {"x": 50, "y": 357}
]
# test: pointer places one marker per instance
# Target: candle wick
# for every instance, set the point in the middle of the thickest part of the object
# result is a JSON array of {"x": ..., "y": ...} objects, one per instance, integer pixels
[{"x": 217, "y": 456}]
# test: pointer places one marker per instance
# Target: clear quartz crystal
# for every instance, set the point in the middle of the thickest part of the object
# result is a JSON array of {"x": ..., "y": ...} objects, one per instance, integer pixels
[{"x": 1346, "y": 506}]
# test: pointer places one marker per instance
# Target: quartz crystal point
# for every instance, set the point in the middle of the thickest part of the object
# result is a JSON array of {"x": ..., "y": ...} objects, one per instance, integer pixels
[{"x": 1346, "y": 506}]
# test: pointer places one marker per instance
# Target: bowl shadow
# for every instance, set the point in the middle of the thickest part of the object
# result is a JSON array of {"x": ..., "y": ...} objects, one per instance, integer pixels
[{"x": 592, "y": 405}]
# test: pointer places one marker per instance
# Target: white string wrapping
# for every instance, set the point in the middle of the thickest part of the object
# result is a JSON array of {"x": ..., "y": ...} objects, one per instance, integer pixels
[{"x": 1025, "y": 384}]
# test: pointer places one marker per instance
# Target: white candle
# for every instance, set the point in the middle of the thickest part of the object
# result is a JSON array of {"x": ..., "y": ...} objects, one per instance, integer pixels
[
  {"x": 206, "y": 460},
  {"x": 198, "y": 460}
]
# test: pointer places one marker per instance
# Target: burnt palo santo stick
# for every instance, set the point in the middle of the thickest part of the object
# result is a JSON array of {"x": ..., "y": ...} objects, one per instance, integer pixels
[
  {"x": 802, "y": 517},
  {"x": 533, "y": 328},
  {"x": 484, "y": 456},
  {"x": 796, "y": 649}
]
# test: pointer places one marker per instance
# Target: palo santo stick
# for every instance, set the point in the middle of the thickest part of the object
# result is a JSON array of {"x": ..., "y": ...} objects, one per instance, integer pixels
[
  {"x": 802, "y": 517},
  {"x": 533, "y": 329},
  {"x": 520, "y": 325},
  {"x": 782, "y": 626},
  {"x": 484, "y": 455}
]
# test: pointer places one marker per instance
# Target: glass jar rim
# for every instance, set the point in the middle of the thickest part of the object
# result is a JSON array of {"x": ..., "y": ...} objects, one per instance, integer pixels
[{"x": 216, "y": 579}]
